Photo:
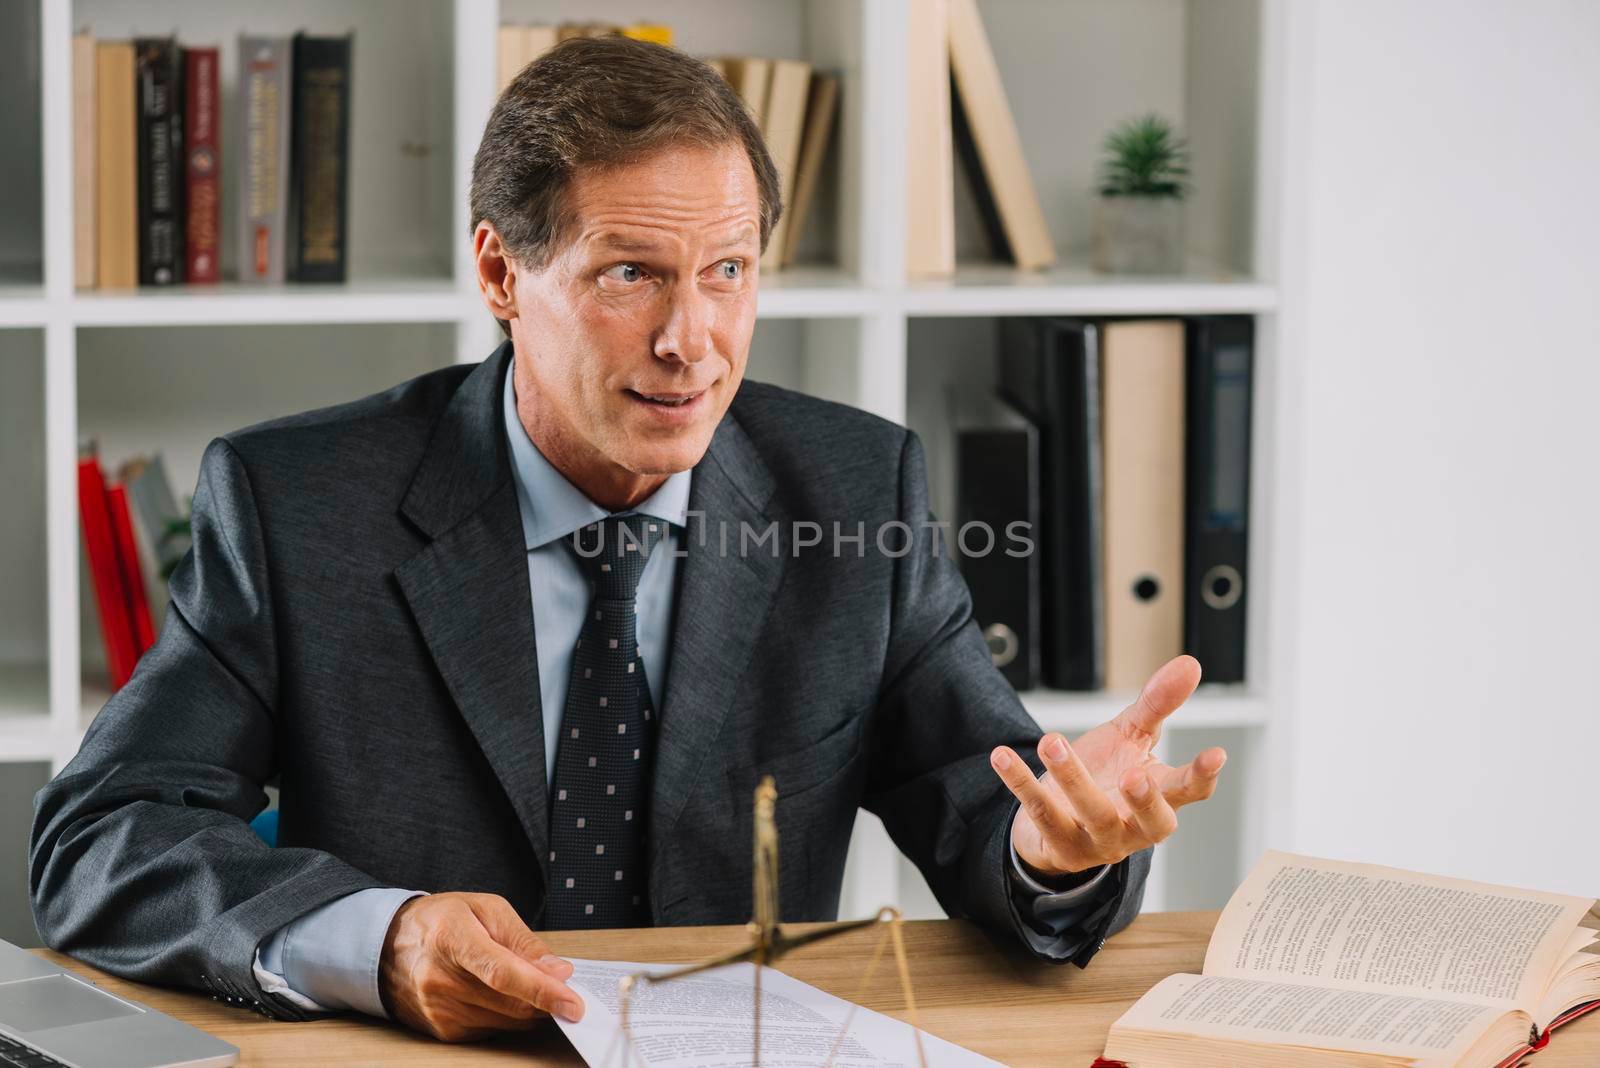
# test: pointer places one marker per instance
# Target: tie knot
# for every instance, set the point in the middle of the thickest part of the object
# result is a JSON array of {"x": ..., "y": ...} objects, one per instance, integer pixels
[{"x": 612, "y": 553}]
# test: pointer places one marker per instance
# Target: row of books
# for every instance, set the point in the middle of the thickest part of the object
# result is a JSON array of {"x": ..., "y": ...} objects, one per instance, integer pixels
[
  {"x": 958, "y": 109},
  {"x": 133, "y": 538},
  {"x": 518, "y": 44},
  {"x": 148, "y": 182},
  {"x": 794, "y": 104},
  {"x": 1125, "y": 443}
]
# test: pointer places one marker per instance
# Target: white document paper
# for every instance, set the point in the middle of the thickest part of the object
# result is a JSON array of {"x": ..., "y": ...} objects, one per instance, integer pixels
[{"x": 707, "y": 1021}]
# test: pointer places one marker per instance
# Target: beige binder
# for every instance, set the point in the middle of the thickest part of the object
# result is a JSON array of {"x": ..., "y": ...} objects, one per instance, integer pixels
[
  {"x": 1142, "y": 411},
  {"x": 930, "y": 162}
]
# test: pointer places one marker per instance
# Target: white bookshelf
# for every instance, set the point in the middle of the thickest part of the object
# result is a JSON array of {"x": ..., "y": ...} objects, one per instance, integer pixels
[{"x": 846, "y": 324}]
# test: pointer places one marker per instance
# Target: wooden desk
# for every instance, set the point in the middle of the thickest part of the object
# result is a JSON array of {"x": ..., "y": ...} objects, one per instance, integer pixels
[{"x": 996, "y": 1001}]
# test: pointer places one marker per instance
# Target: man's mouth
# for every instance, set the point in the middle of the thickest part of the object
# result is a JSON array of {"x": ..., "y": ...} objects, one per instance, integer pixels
[{"x": 666, "y": 400}]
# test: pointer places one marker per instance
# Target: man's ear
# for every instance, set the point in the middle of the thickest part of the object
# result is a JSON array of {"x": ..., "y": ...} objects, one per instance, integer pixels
[{"x": 497, "y": 272}]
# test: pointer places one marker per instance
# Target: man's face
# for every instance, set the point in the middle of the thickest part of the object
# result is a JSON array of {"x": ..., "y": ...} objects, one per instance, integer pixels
[{"x": 632, "y": 341}]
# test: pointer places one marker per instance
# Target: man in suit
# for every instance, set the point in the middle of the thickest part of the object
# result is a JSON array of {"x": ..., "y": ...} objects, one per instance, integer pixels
[{"x": 520, "y": 638}]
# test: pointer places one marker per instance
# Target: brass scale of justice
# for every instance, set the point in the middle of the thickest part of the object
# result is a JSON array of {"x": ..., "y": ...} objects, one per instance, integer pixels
[{"x": 769, "y": 942}]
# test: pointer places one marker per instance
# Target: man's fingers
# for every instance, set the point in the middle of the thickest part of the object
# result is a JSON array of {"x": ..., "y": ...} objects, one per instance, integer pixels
[
  {"x": 1168, "y": 688},
  {"x": 491, "y": 1008},
  {"x": 1094, "y": 810},
  {"x": 499, "y": 969},
  {"x": 1044, "y": 809},
  {"x": 506, "y": 927},
  {"x": 1195, "y": 781},
  {"x": 1149, "y": 811}
]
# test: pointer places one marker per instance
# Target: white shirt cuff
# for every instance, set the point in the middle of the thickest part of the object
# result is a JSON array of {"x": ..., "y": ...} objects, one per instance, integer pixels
[
  {"x": 1069, "y": 896},
  {"x": 327, "y": 960}
]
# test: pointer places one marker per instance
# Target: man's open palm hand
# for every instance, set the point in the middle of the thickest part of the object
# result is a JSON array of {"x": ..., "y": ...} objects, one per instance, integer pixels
[{"x": 1106, "y": 796}]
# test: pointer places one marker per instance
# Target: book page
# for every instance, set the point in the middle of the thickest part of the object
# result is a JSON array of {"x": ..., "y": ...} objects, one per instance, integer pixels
[
  {"x": 1295, "y": 1014},
  {"x": 1578, "y": 980},
  {"x": 707, "y": 1021},
  {"x": 1366, "y": 927},
  {"x": 1579, "y": 941}
]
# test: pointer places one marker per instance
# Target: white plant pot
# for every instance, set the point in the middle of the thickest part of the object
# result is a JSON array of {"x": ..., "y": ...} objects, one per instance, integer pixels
[{"x": 1138, "y": 235}]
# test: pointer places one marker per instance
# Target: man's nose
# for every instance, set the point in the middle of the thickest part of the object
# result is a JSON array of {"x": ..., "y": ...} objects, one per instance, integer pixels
[{"x": 686, "y": 334}]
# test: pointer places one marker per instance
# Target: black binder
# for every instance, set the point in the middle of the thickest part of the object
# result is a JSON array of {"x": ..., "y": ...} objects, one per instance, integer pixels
[
  {"x": 1217, "y": 497},
  {"x": 1050, "y": 370},
  {"x": 997, "y": 484}
]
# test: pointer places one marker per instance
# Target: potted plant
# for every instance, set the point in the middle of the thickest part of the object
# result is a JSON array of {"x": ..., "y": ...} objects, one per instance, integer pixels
[{"x": 1138, "y": 226}]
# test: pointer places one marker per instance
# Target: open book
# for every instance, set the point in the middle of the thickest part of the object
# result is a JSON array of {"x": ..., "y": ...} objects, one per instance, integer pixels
[{"x": 1319, "y": 962}]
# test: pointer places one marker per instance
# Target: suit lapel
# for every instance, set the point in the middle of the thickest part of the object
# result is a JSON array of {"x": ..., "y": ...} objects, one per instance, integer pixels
[
  {"x": 723, "y": 599},
  {"x": 468, "y": 590}
]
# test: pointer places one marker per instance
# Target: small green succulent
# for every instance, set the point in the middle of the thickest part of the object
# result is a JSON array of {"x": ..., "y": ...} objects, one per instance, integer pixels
[{"x": 1145, "y": 158}]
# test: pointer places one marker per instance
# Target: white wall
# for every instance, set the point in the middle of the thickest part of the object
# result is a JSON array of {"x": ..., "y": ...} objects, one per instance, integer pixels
[{"x": 1446, "y": 710}]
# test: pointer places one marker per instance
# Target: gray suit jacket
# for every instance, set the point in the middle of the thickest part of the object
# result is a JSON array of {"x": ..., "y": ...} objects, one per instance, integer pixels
[{"x": 354, "y": 617}]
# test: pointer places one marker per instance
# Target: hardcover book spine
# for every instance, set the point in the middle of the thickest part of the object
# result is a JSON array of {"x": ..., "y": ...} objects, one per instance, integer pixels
[
  {"x": 116, "y": 166},
  {"x": 821, "y": 108},
  {"x": 320, "y": 164},
  {"x": 160, "y": 148},
  {"x": 84, "y": 224},
  {"x": 128, "y": 563},
  {"x": 151, "y": 494},
  {"x": 202, "y": 165},
  {"x": 263, "y": 180},
  {"x": 786, "y": 120},
  {"x": 111, "y": 598},
  {"x": 966, "y": 150}
]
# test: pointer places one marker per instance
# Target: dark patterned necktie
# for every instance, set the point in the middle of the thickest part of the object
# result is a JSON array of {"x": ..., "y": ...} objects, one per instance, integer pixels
[{"x": 597, "y": 807}]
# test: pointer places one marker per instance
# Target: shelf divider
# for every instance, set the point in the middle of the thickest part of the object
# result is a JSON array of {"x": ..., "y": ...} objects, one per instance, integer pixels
[{"x": 1217, "y": 706}]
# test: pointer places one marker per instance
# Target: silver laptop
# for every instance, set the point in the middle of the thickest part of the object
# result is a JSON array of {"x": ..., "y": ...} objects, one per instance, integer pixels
[{"x": 46, "y": 1010}]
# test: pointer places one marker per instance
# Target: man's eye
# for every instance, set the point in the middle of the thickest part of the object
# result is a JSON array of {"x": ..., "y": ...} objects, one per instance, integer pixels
[
  {"x": 731, "y": 269},
  {"x": 625, "y": 276}
]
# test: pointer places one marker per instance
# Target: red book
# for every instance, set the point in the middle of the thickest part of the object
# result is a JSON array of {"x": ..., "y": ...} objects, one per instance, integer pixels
[
  {"x": 202, "y": 163},
  {"x": 110, "y": 591},
  {"x": 128, "y": 561}
]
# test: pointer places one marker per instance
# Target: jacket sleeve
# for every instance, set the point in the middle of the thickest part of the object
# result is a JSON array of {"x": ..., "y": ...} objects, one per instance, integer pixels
[
  {"x": 142, "y": 861},
  {"x": 942, "y": 708}
]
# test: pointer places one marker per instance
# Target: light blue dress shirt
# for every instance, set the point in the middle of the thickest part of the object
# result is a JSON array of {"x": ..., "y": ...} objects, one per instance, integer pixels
[{"x": 327, "y": 960}]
